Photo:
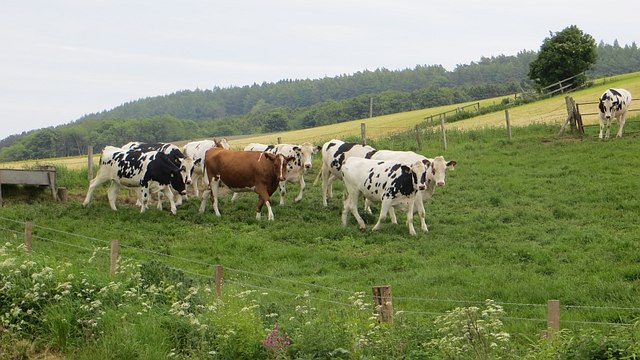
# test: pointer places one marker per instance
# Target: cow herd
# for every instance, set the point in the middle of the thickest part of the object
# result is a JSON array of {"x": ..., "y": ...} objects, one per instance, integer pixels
[{"x": 395, "y": 179}]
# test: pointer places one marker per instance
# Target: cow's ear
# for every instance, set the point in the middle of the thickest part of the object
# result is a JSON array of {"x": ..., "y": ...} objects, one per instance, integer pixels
[
  {"x": 426, "y": 162},
  {"x": 452, "y": 164}
]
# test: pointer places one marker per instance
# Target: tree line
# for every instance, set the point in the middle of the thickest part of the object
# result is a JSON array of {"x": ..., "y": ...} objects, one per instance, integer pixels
[{"x": 294, "y": 104}]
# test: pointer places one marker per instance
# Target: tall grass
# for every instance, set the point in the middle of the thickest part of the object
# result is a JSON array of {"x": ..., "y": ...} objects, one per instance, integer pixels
[{"x": 520, "y": 222}]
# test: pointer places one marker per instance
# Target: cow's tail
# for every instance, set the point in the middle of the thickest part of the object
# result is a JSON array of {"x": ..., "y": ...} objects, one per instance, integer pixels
[{"x": 318, "y": 176}]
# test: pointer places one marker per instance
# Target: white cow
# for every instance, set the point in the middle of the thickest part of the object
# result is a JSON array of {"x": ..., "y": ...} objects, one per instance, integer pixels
[
  {"x": 389, "y": 182},
  {"x": 302, "y": 155},
  {"x": 614, "y": 103},
  {"x": 334, "y": 154},
  {"x": 143, "y": 171},
  {"x": 196, "y": 151},
  {"x": 435, "y": 175}
]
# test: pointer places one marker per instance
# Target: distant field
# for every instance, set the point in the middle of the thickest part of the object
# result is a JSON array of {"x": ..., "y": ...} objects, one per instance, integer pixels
[{"x": 548, "y": 111}]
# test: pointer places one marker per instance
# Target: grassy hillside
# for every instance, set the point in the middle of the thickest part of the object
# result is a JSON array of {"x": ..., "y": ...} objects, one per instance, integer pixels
[
  {"x": 548, "y": 111},
  {"x": 519, "y": 222}
]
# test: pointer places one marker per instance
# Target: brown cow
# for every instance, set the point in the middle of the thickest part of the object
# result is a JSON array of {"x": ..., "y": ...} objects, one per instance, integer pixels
[{"x": 244, "y": 171}]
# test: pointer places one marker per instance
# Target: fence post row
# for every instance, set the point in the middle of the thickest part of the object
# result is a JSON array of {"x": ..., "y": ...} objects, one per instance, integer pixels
[{"x": 382, "y": 298}]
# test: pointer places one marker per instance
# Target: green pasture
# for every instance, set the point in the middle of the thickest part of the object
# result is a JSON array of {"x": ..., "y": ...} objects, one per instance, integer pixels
[{"x": 520, "y": 222}]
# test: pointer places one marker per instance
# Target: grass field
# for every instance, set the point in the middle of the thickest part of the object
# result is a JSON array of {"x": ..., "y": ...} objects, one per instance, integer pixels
[{"x": 520, "y": 222}]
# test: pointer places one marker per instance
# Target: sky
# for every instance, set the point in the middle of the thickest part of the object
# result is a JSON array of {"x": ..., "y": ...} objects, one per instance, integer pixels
[{"x": 63, "y": 59}]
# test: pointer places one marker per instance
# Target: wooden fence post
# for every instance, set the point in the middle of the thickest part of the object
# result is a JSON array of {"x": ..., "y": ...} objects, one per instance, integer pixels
[
  {"x": 444, "y": 134},
  {"x": 27, "y": 236},
  {"x": 218, "y": 281},
  {"x": 279, "y": 140},
  {"x": 383, "y": 303},
  {"x": 553, "y": 317},
  {"x": 506, "y": 115},
  {"x": 90, "y": 162},
  {"x": 115, "y": 249},
  {"x": 571, "y": 114},
  {"x": 418, "y": 139},
  {"x": 363, "y": 134}
]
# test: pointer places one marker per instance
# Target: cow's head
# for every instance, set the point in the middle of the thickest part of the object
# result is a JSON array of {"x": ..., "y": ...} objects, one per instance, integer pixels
[
  {"x": 307, "y": 150},
  {"x": 222, "y": 143},
  {"x": 437, "y": 168},
  {"x": 186, "y": 169},
  {"x": 609, "y": 103},
  {"x": 419, "y": 171},
  {"x": 279, "y": 164}
]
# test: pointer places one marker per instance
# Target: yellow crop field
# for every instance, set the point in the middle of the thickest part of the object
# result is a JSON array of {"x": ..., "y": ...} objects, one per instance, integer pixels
[{"x": 552, "y": 110}]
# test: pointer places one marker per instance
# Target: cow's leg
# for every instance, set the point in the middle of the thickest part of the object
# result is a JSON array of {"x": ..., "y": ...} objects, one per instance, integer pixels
[
  {"x": 157, "y": 193},
  {"x": 112, "y": 194},
  {"x": 215, "y": 186},
  {"x": 606, "y": 136},
  {"x": 412, "y": 230},
  {"x": 326, "y": 185},
  {"x": 206, "y": 196},
  {"x": 351, "y": 204},
  {"x": 282, "y": 186},
  {"x": 234, "y": 197},
  {"x": 144, "y": 196},
  {"x": 264, "y": 199},
  {"x": 601, "y": 127},
  {"x": 330, "y": 186},
  {"x": 418, "y": 204},
  {"x": 169, "y": 194},
  {"x": 194, "y": 184},
  {"x": 621, "y": 122},
  {"x": 367, "y": 206},
  {"x": 97, "y": 181},
  {"x": 301, "y": 193},
  {"x": 392, "y": 215},
  {"x": 178, "y": 201},
  {"x": 384, "y": 209}
]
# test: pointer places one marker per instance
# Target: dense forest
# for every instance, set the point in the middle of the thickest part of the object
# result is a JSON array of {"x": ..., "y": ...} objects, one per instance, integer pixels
[{"x": 293, "y": 104}]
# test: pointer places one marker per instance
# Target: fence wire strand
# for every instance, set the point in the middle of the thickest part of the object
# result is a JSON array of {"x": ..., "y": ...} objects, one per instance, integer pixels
[{"x": 233, "y": 281}]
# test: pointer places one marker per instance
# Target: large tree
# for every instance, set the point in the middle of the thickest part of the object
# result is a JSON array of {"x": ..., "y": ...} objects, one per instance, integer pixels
[{"x": 564, "y": 54}]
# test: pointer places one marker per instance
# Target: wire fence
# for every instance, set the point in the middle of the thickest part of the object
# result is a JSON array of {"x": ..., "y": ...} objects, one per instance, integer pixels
[{"x": 316, "y": 292}]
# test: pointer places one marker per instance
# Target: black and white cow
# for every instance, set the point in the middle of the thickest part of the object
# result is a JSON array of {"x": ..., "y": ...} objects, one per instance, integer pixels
[
  {"x": 389, "y": 182},
  {"x": 196, "y": 151},
  {"x": 614, "y": 103},
  {"x": 173, "y": 152},
  {"x": 435, "y": 175},
  {"x": 136, "y": 169},
  {"x": 302, "y": 156},
  {"x": 334, "y": 154}
]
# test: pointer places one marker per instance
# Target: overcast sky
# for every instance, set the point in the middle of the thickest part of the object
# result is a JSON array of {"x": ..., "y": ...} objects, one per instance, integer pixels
[{"x": 62, "y": 59}]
